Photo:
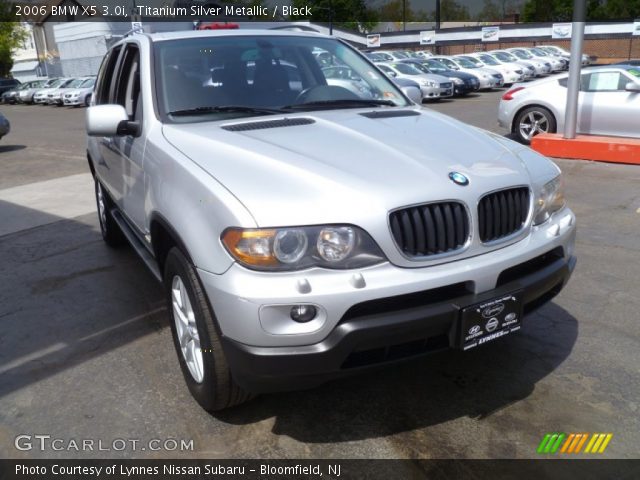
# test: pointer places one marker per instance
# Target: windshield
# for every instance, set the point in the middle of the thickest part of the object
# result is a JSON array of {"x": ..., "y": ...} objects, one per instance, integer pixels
[
  {"x": 264, "y": 72},
  {"x": 473, "y": 60},
  {"x": 435, "y": 66},
  {"x": 420, "y": 67},
  {"x": 489, "y": 60},
  {"x": 406, "y": 69},
  {"x": 540, "y": 53},
  {"x": 89, "y": 82},
  {"x": 55, "y": 83},
  {"x": 505, "y": 57},
  {"x": 74, "y": 83},
  {"x": 449, "y": 63},
  {"x": 522, "y": 54},
  {"x": 464, "y": 63}
]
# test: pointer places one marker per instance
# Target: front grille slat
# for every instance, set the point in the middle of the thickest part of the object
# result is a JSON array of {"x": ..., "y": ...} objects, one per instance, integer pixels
[
  {"x": 430, "y": 229},
  {"x": 502, "y": 213}
]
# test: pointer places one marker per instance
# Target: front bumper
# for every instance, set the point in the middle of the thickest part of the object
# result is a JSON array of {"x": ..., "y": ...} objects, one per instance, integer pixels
[
  {"x": 431, "y": 93},
  {"x": 252, "y": 308},
  {"x": 369, "y": 336},
  {"x": 72, "y": 101}
]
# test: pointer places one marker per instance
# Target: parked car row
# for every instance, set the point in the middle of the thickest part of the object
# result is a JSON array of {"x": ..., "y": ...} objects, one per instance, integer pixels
[
  {"x": 53, "y": 91},
  {"x": 442, "y": 76}
]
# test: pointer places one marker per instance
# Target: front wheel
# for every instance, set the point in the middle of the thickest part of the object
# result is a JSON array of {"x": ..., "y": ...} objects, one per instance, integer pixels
[
  {"x": 111, "y": 233},
  {"x": 197, "y": 342},
  {"x": 532, "y": 121}
]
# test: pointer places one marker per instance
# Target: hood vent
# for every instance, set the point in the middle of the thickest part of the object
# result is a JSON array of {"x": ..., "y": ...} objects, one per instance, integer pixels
[
  {"x": 283, "y": 122},
  {"x": 390, "y": 113}
]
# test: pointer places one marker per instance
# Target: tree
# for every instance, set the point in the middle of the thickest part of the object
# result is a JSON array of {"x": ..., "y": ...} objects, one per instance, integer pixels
[
  {"x": 491, "y": 12},
  {"x": 12, "y": 36},
  {"x": 350, "y": 14},
  {"x": 562, "y": 10},
  {"x": 392, "y": 11},
  {"x": 452, "y": 11}
]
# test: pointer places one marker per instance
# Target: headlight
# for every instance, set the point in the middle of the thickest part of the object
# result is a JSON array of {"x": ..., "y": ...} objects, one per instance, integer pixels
[
  {"x": 297, "y": 248},
  {"x": 549, "y": 200},
  {"x": 456, "y": 80}
]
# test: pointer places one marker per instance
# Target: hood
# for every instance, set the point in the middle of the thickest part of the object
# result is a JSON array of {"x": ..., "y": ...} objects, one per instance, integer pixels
[{"x": 344, "y": 161}]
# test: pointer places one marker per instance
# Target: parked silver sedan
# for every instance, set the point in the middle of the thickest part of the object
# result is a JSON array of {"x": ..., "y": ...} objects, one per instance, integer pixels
[
  {"x": 434, "y": 87},
  {"x": 41, "y": 97},
  {"x": 26, "y": 96},
  {"x": 608, "y": 102},
  {"x": 54, "y": 96},
  {"x": 80, "y": 95},
  {"x": 488, "y": 78}
]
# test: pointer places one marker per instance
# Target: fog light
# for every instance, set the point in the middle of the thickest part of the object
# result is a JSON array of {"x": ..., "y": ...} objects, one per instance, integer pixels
[{"x": 303, "y": 313}]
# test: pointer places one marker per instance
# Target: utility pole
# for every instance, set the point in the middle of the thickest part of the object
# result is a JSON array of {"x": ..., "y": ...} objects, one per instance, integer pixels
[{"x": 575, "y": 65}]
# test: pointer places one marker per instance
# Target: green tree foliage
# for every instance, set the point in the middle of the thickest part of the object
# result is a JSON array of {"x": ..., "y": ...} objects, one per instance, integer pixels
[
  {"x": 562, "y": 10},
  {"x": 349, "y": 14},
  {"x": 491, "y": 12},
  {"x": 12, "y": 35},
  {"x": 391, "y": 10},
  {"x": 452, "y": 11}
]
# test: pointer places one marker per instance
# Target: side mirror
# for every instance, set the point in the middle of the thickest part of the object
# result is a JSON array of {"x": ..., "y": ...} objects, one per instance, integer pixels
[
  {"x": 110, "y": 121},
  {"x": 393, "y": 74},
  {"x": 632, "y": 87}
]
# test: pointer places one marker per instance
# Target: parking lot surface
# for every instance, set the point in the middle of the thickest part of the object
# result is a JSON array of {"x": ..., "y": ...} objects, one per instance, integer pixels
[{"x": 86, "y": 349}]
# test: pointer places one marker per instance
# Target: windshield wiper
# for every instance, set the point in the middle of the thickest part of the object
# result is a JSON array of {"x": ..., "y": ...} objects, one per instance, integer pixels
[
  {"x": 225, "y": 109},
  {"x": 344, "y": 103}
]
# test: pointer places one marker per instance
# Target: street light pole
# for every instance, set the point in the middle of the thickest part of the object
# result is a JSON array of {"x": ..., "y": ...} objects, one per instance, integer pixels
[{"x": 575, "y": 65}]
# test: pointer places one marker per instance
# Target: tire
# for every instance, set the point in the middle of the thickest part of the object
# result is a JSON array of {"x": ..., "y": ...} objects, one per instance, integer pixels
[
  {"x": 87, "y": 100},
  {"x": 111, "y": 233},
  {"x": 531, "y": 121},
  {"x": 202, "y": 360}
]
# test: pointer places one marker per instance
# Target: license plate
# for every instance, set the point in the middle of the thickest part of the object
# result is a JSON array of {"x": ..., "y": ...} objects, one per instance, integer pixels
[{"x": 490, "y": 320}]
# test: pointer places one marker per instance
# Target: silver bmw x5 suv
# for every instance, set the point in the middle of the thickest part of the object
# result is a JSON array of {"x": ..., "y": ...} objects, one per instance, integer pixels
[{"x": 303, "y": 232}]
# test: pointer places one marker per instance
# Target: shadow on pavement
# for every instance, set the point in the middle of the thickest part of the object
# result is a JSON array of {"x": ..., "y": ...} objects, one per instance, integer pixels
[
  {"x": 67, "y": 298},
  {"x": 422, "y": 392},
  {"x": 11, "y": 148}
]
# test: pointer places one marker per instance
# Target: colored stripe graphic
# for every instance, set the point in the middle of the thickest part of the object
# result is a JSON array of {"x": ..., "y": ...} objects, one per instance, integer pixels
[
  {"x": 543, "y": 443},
  {"x": 551, "y": 442},
  {"x": 598, "y": 443},
  {"x": 584, "y": 439},
  {"x": 572, "y": 443}
]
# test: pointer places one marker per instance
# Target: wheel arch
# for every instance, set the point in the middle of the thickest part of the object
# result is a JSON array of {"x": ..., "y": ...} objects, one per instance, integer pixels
[{"x": 163, "y": 238}]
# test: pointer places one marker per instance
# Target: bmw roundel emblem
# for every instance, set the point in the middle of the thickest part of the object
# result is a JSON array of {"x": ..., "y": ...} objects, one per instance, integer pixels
[{"x": 459, "y": 178}]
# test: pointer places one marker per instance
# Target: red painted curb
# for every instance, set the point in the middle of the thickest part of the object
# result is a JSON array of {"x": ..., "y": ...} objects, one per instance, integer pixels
[{"x": 589, "y": 147}]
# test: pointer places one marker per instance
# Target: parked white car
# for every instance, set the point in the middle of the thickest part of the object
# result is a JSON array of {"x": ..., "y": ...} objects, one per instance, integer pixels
[
  {"x": 543, "y": 67},
  {"x": 488, "y": 78},
  {"x": 54, "y": 97},
  {"x": 561, "y": 52},
  {"x": 80, "y": 95},
  {"x": 608, "y": 104},
  {"x": 528, "y": 71},
  {"x": 41, "y": 97},
  {"x": 508, "y": 57},
  {"x": 511, "y": 74}
]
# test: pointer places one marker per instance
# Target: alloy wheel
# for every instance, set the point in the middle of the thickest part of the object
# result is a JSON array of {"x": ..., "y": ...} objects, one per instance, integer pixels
[{"x": 186, "y": 329}]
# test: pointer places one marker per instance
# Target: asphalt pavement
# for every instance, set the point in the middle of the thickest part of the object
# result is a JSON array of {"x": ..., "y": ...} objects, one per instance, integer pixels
[{"x": 86, "y": 352}]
